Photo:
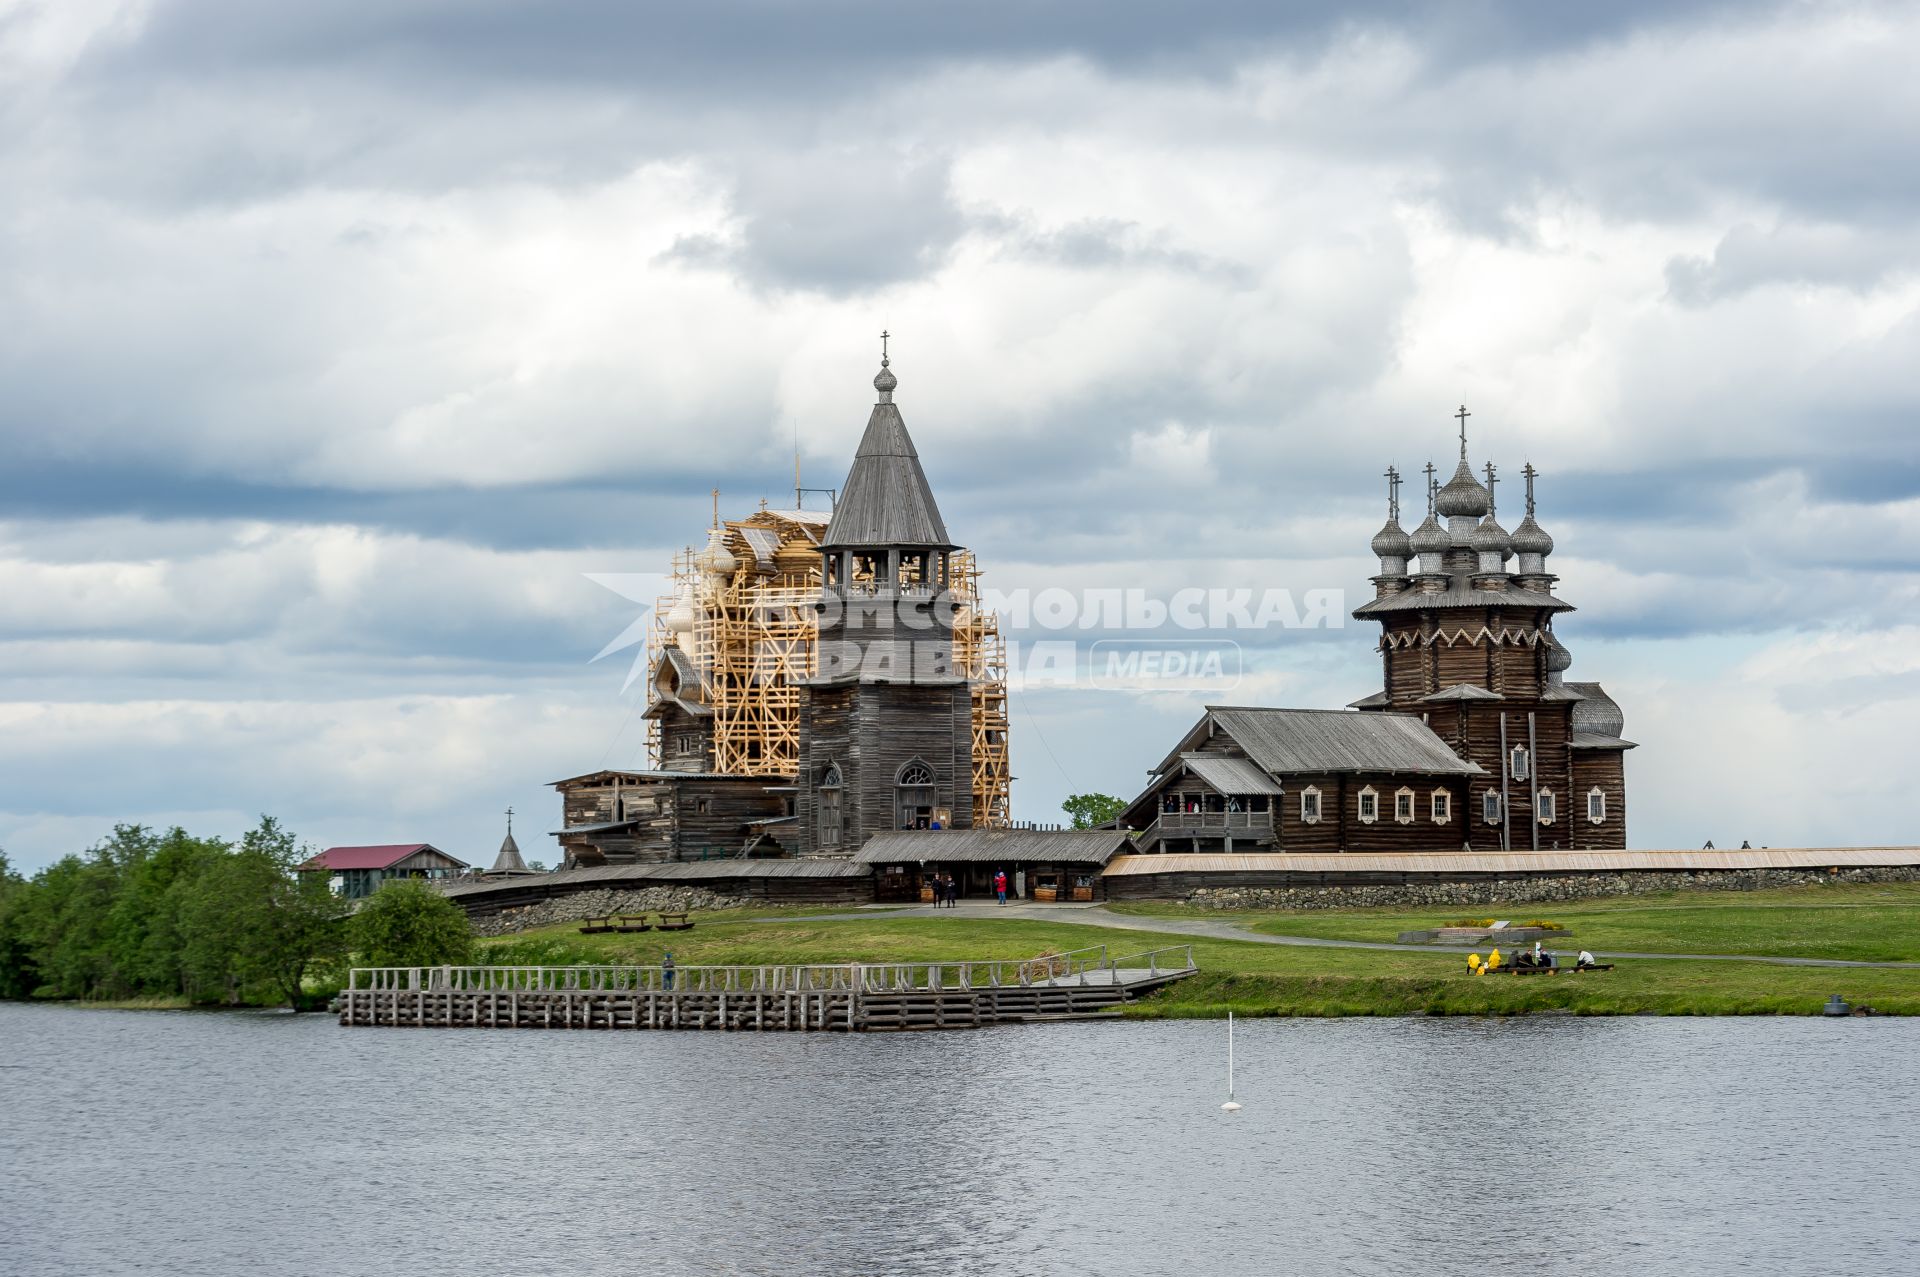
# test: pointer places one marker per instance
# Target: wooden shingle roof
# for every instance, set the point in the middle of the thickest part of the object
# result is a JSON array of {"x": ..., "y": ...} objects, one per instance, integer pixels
[
  {"x": 1073, "y": 846},
  {"x": 1298, "y": 742},
  {"x": 885, "y": 500}
]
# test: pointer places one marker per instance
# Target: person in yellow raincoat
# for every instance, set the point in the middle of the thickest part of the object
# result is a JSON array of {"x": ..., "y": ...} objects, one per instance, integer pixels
[
  {"x": 1473, "y": 963},
  {"x": 1493, "y": 960}
]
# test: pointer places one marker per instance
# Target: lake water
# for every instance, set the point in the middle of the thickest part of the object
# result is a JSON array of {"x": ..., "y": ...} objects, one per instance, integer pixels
[{"x": 249, "y": 1143}]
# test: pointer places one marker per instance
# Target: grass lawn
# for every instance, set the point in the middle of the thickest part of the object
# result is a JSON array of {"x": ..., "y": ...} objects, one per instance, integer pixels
[
  {"x": 1244, "y": 977},
  {"x": 1866, "y": 922}
]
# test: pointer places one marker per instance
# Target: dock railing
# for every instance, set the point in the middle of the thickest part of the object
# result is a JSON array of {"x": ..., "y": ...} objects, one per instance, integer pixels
[{"x": 1089, "y": 966}]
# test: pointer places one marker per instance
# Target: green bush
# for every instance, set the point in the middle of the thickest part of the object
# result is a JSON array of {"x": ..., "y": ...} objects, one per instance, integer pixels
[{"x": 408, "y": 924}]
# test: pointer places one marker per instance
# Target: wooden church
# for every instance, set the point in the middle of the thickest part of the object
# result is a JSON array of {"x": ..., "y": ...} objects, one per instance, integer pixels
[
  {"x": 1476, "y": 740},
  {"x": 874, "y": 694}
]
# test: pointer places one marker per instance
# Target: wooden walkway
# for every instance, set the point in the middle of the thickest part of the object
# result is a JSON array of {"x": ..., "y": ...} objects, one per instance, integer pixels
[{"x": 857, "y": 997}]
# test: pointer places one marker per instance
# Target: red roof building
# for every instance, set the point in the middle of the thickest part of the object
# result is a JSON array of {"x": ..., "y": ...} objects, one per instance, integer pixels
[{"x": 359, "y": 871}]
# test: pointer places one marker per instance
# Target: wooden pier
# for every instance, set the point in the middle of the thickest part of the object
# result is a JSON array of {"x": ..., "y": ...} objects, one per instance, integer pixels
[{"x": 855, "y": 997}]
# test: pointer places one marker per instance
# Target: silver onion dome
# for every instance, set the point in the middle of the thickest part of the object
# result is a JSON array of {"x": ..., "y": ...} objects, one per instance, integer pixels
[
  {"x": 1392, "y": 541},
  {"x": 1531, "y": 538},
  {"x": 1463, "y": 495},
  {"x": 1430, "y": 538},
  {"x": 1490, "y": 538}
]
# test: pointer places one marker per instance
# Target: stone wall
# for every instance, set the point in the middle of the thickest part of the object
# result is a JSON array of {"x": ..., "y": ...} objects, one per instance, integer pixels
[
  {"x": 598, "y": 904},
  {"x": 1530, "y": 889}
]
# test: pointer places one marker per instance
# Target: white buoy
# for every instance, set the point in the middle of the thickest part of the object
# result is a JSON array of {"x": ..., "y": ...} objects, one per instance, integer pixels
[{"x": 1230, "y": 1106}]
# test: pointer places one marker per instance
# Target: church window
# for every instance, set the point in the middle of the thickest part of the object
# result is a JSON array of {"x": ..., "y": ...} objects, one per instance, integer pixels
[
  {"x": 1442, "y": 806},
  {"x": 828, "y": 809},
  {"x": 1519, "y": 762},
  {"x": 913, "y": 796},
  {"x": 1546, "y": 807},
  {"x": 1369, "y": 805},
  {"x": 1490, "y": 806},
  {"x": 1310, "y": 805},
  {"x": 1403, "y": 806},
  {"x": 1597, "y": 805}
]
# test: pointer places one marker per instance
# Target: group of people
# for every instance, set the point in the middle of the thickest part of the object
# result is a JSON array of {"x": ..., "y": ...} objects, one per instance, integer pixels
[
  {"x": 946, "y": 892},
  {"x": 1535, "y": 957}
]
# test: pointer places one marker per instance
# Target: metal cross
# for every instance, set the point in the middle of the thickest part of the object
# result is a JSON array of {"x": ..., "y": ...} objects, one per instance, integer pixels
[
  {"x": 509, "y": 820},
  {"x": 1530, "y": 472},
  {"x": 1430, "y": 489},
  {"x": 1393, "y": 495},
  {"x": 1463, "y": 414},
  {"x": 883, "y": 348},
  {"x": 1490, "y": 482}
]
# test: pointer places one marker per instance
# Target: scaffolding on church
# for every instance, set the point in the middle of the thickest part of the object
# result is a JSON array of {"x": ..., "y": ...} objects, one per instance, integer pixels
[
  {"x": 981, "y": 652},
  {"x": 744, "y": 605}
]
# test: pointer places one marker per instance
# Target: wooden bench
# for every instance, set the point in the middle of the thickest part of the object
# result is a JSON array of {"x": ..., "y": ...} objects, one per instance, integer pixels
[
  {"x": 1598, "y": 966},
  {"x": 675, "y": 922},
  {"x": 596, "y": 926},
  {"x": 1533, "y": 970},
  {"x": 627, "y": 922}
]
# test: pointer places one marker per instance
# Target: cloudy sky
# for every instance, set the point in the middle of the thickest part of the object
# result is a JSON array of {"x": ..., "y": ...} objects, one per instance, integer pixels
[{"x": 339, "y": 343}]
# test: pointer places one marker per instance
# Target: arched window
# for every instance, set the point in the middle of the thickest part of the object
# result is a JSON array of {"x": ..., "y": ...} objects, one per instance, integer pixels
[
  {"x": 1597, "y": 805},
  {"x": 829, "y": 813},
  {"x": 1546, "y": 807},
  {"x": 1490, "y": 806},
  {"x": 1310, "y": 805},
  {"x": 1519, "y": 762},
  {"x": 1369, "y": 805},
  {"x": 913, "y": 796},
  {"x": 1403, "y": 800},
  {"x": 1442, "y": 806}
]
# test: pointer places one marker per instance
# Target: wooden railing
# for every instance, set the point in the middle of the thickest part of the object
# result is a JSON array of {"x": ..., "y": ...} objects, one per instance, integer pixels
[
  {"x": 1093, "y": 965},
  {"x": 1207, "y": 821}
]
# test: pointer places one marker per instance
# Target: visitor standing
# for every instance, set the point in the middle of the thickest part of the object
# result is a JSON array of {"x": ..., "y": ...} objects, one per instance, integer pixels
[
  {"x": 1000, "y": 885},
  {"x": 666, "y": 970}
]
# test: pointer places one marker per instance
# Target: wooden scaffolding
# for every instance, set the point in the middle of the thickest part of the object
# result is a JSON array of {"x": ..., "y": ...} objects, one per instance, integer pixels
[
  {"x": 753, "y": 635},
  {"x": 979, "y": 650}
]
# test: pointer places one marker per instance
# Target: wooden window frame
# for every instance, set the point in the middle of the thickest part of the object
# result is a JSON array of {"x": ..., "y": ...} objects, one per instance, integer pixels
[
  {"x": 830, "y": 813},
  {"x": 1310, "y": 798},
  {"x": 1596, "y": 812},
  {"x": 1549, "y": 807},
  {"x": 1367, "y": 797},
  {"x": 1411, "y": 801},
  {"x": 1441, "y": 806}
]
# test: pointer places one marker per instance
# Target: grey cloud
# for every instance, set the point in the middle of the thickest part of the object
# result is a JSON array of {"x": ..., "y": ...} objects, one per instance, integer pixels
[
  {"x": 1750, "y": 257},
  {"x": 769, "y": 47},
  {"x": 840, "y": 219},
  {"x": 1107, "y": 243}
]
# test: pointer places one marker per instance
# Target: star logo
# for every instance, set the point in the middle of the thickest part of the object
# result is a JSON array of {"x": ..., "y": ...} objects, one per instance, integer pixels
[{"x": 644, "y": 588}]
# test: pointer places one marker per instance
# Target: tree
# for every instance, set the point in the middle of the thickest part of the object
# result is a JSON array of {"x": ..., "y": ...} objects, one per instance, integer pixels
[
  {"x": 255, "y": 922},
  {"x": 1087, "y": 811},
  {"x": 146, "y": 928},
  {"x": 18, "y": 975},
  {"x": 408, "y": 924}
]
